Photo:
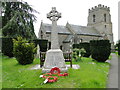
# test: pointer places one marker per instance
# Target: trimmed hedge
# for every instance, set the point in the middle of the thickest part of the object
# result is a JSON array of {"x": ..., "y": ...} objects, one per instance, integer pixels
[
  {"x": 119, "y": 48},
  {"x": 7, "y": 46},
  {"x": 49, "y": 45},
  {"x": 100, "y": 50},
  {"x": 42, "y": 44},
  {"x": 75, "y": 46},
  {"x": 24, "y": 51}
]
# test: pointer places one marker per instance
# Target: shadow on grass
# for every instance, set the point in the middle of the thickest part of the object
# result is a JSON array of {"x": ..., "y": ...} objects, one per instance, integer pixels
[{"x": 18, "y": 64}]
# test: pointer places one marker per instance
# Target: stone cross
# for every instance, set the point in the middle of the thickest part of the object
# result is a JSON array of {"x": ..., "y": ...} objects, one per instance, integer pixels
[
  {"x": 54, "y": 56},
  {"x": 54, "y": 15}
]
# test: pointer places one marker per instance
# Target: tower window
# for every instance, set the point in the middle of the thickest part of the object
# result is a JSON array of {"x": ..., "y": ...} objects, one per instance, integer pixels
[
  {"x": 93, "y": 18},
  {"x": 41, "y": 35},
  {"x": 105, "y": 17},
  {"x": 105, "y": 26}
]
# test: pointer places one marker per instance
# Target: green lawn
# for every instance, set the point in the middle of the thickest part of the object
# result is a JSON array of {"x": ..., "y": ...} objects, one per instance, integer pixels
[
  {"x": 117, "y": 53},
  {"x": 90, "y": 75},
  {"x": 0, "y": 72}
]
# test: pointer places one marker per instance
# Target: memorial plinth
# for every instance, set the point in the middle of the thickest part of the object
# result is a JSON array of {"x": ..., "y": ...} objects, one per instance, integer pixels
[{"x": 54, "y": 56}]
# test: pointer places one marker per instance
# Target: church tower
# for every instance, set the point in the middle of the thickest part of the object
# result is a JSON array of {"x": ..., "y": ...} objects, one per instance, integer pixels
[{"x": 99, "y": 17}]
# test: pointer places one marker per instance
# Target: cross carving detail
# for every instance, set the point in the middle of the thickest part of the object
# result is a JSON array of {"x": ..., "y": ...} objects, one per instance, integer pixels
[{"x": 54, "y": 15}]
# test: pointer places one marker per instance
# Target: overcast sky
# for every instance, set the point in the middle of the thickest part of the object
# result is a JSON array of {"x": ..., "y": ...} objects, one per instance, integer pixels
[{"x": 73, "y": 11}]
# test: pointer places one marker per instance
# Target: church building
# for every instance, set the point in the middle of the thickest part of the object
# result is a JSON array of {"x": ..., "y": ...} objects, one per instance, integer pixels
[{"x": 99, "y": 27}]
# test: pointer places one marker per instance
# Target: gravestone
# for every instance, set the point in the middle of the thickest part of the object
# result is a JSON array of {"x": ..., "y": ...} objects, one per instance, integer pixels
[{"x": 54, "y": 56}]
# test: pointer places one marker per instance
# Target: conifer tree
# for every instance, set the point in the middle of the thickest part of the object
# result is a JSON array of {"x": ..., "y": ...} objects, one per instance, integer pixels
[{"x": 17, "y": 20}]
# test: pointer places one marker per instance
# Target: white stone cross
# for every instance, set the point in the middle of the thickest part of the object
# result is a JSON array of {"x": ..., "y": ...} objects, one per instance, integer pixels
[
  {"x": 54, "y": 56},
  {"x": 54, "y": 15}
]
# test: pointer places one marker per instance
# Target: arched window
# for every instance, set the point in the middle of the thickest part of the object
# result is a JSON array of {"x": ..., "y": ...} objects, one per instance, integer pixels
[
  {"x": 93, "y": 18},
  {"x": 105, "y": 17},
  {"x": 41, "y": 35},
  {"x": 105, "y": 26}
]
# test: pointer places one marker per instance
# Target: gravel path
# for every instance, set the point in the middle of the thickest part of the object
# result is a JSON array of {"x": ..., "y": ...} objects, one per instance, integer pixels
[{"x": 113, "y": 73}]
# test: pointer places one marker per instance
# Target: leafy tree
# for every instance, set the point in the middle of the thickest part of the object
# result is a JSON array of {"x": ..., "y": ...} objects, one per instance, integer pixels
[{"x": 18, "y": 20}]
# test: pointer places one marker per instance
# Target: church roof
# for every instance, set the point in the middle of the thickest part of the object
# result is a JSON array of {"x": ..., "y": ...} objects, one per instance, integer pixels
[
  {"x": 69, "y": 37},
  {"x": 84, "y": 30},
  {"x": 80, "y": 30},
  {"x": 61, "y": 29}
]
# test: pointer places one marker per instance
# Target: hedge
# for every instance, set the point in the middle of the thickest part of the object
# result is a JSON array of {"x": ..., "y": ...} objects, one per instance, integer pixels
[
  {"x": 75, "y": 46},
  {"x": 119, "y": 48},
  {"x": 35, "y": 41},
  {"x": 49, "y": 47},
  {"x": 100, "y": 50},
  {"x": 24, "y": 51},
  {"x": 42, "y": 44},
  {"x": 7, "y": 46}
]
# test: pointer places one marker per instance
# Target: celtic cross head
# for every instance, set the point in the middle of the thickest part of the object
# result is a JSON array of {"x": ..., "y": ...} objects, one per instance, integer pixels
[{"x": 54, "y": 15}]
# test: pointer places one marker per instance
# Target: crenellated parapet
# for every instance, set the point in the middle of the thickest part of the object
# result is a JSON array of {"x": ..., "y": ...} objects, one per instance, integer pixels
[{"x": 99, "y": 7}]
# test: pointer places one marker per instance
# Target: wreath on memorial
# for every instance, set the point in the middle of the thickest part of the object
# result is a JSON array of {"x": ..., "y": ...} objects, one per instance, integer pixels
[{"x": 54, "y": 71}]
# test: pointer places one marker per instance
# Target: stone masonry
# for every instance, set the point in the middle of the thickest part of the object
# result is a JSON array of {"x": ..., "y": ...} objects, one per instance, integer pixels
[{"x": 54, "y": 56}]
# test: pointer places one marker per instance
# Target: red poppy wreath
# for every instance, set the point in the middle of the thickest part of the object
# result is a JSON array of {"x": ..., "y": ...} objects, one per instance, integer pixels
[{"x": 55, "y": 70}]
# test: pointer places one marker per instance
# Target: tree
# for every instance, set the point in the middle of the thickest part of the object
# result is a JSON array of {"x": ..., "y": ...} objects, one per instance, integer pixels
[
  {"x": 116, "y": 45},
  {"x": 18, "y": 20}
]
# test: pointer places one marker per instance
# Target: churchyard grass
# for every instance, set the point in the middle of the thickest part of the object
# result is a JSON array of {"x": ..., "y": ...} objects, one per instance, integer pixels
[
  {"x": 110, "y": 57},
  {"x": 116, "y": 52},
  {"x": 0, "y": 73},
  {"x": 91, "y": 74}
]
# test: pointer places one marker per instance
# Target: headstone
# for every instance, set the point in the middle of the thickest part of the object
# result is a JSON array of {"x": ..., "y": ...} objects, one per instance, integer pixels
[{"x": 54, "y": 56}]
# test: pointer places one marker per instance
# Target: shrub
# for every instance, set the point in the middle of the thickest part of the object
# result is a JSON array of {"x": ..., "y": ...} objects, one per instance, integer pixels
[
  {"x": 35, "y": 41},
  {"x": 86, "y": 46},
  {"x": 75, "y": 46},
  {"x": 78, "y": 53},
  {"x": 7, "y": 46},
  {"x": 24, "y": 51},
  {"x": 100, "y": 50},
  {"x": 49, "y": 46},
  {"x": 82, "y": 52},
  {"x": 43, "y": 45},
  {"x": 75, "y": 53},
  {"x": 119, "y": 48}
]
